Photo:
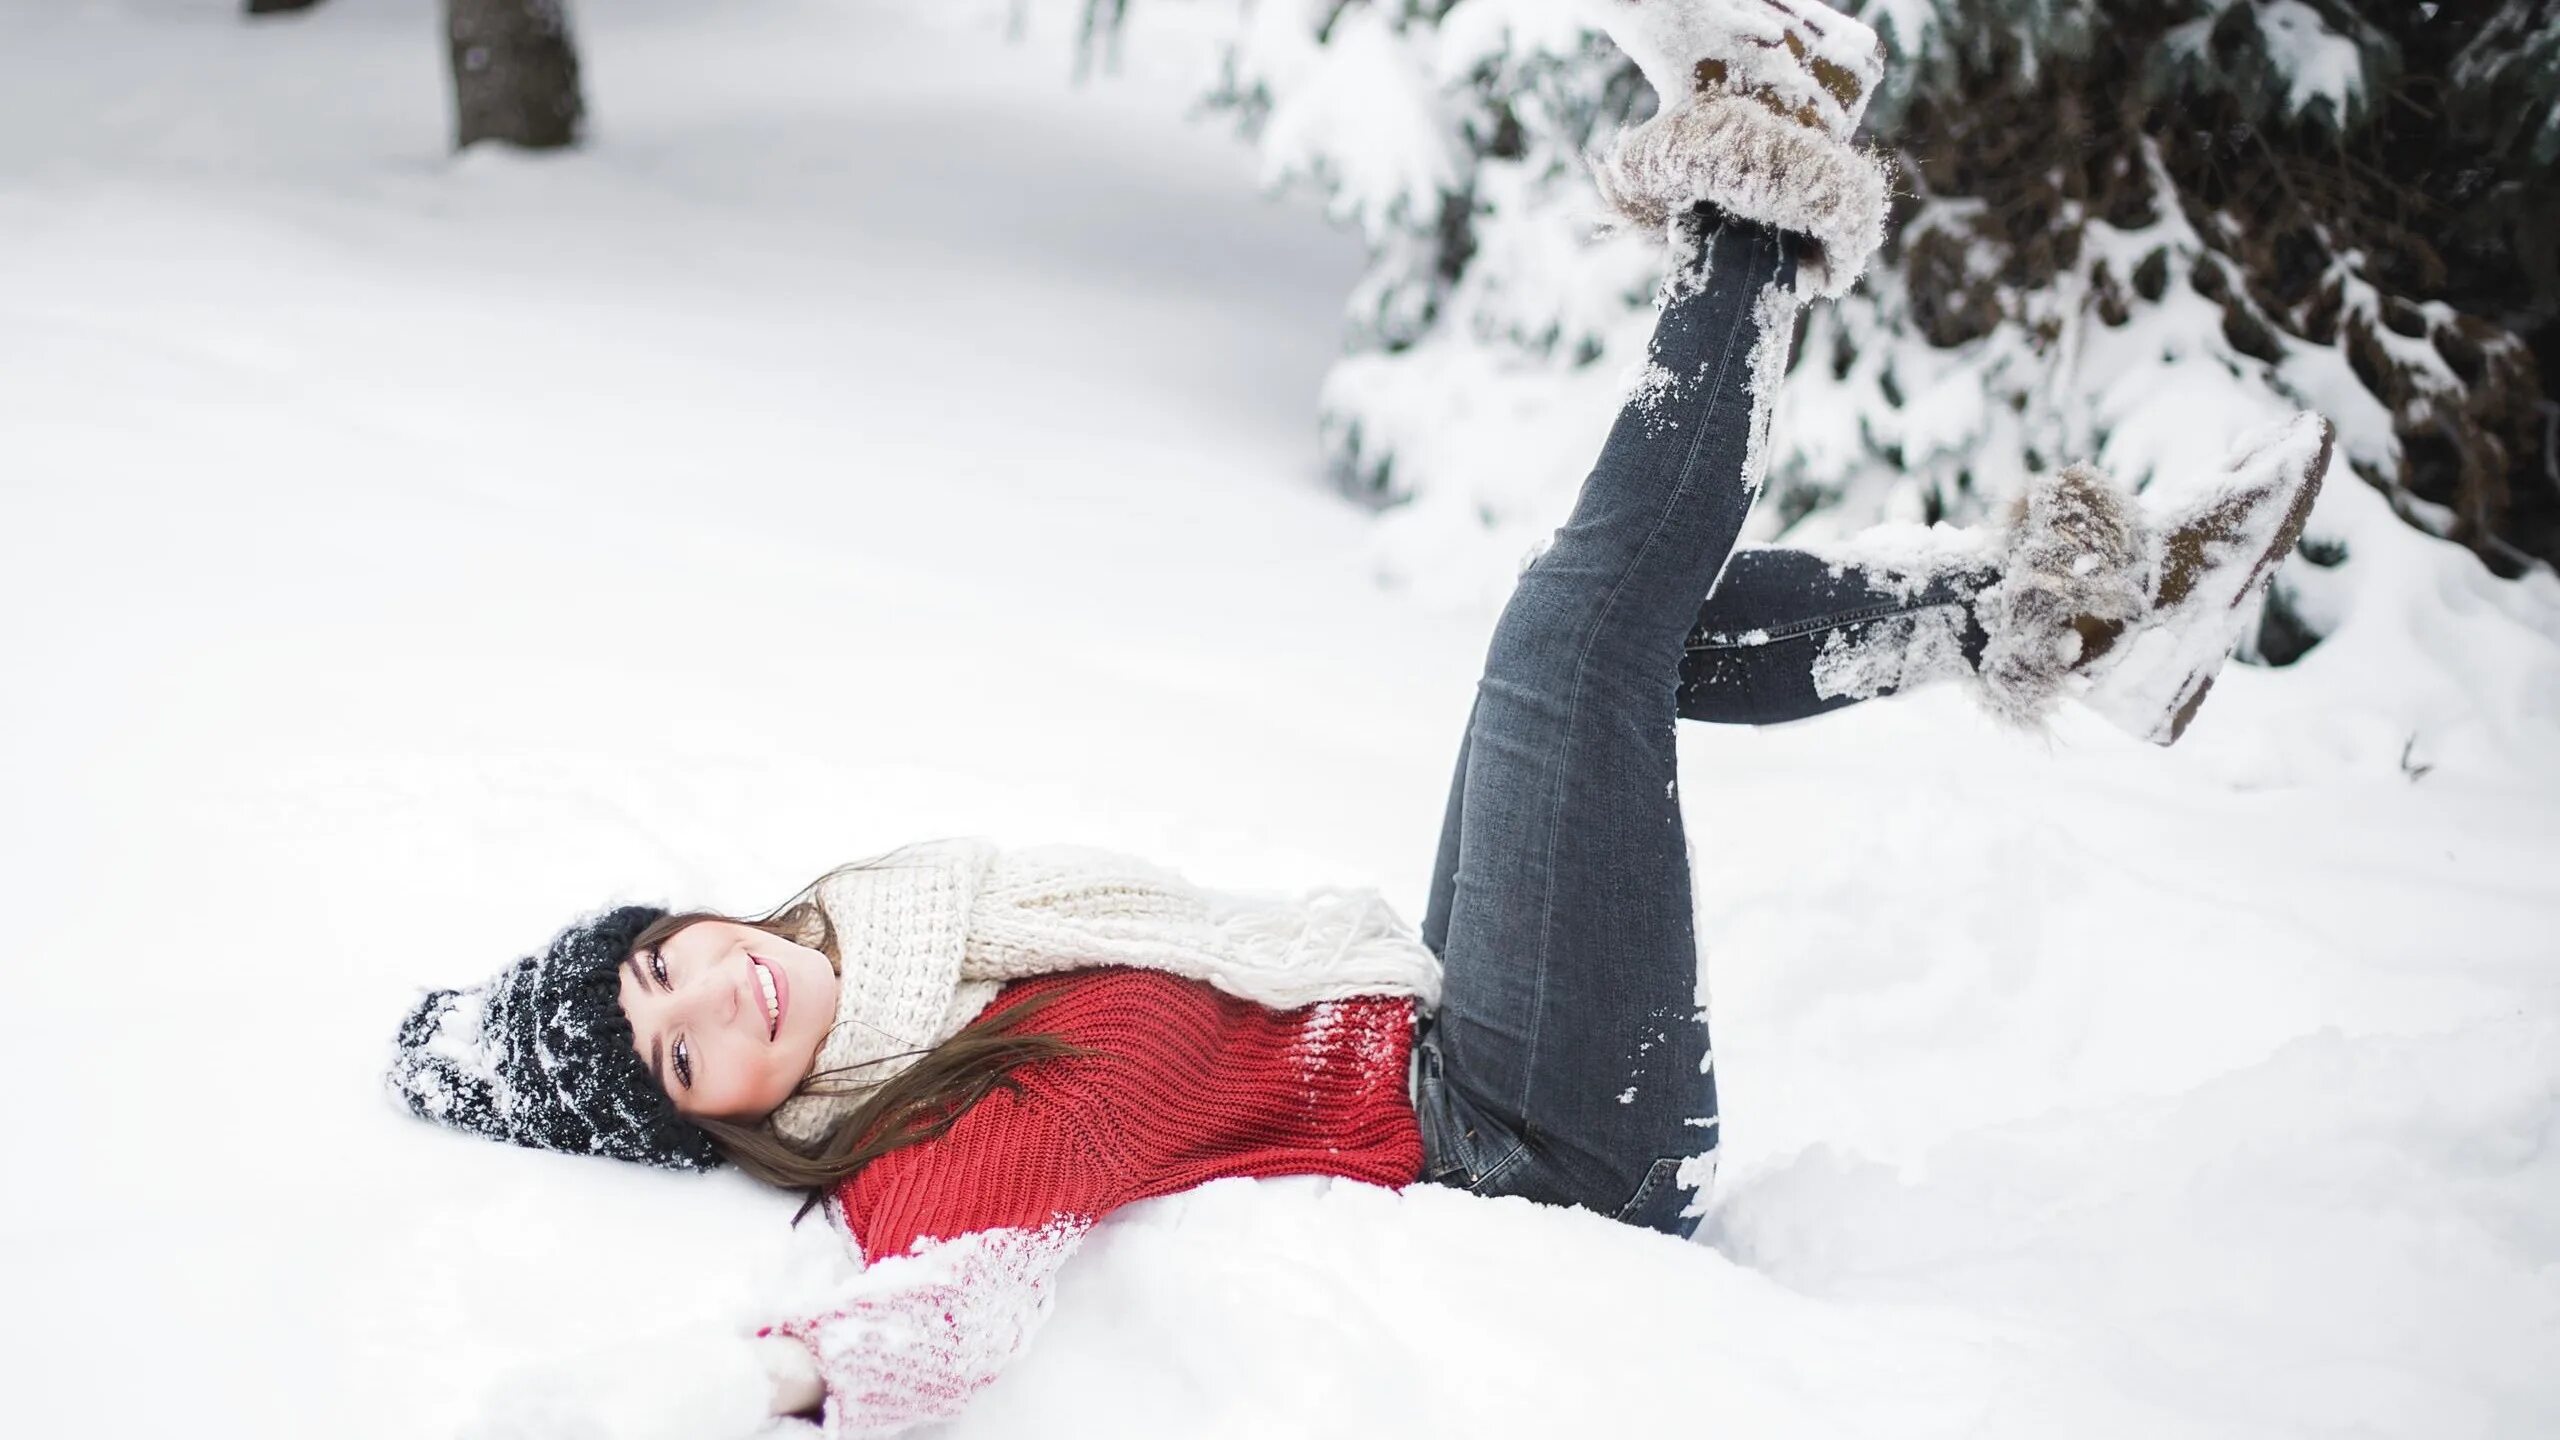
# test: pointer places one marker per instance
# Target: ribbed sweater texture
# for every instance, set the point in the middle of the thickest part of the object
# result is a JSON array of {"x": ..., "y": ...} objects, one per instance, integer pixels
[{"x": 1184, "y": 1085}]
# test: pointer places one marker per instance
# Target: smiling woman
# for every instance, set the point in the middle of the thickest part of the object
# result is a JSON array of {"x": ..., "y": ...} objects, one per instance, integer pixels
[{"x": 728, "y": 1016}]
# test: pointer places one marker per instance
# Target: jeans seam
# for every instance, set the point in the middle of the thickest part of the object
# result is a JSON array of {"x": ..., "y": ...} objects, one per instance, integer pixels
[
  {"x": 1498, "y": 1169},
  {"x": 1573, "y": 709},
  {"x": 1810, "y": 627},
  {"x": 1664, "y": 1168}
]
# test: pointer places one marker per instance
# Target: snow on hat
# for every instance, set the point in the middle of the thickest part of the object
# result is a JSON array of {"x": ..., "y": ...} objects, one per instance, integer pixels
[{"x": 541, "y": 1055}]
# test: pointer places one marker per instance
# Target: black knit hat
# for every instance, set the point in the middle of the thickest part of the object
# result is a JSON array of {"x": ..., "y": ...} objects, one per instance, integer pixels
[{"x": 541, "y": 1055}]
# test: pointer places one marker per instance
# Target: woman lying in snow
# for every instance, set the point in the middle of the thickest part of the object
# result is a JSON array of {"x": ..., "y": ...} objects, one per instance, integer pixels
[{"x": 974, "y": 1055}]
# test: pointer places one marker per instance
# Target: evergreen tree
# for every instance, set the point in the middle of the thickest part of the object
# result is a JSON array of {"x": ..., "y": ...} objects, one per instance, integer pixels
[
  {"x": 2354, "y": 192},
  {"x": 2130, "y": 230}
]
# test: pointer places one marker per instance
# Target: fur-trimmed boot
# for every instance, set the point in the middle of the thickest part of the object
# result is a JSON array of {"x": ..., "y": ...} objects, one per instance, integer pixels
[
  {"x": 1759, "y": 99},
  {"x": 2132, "y": 604}
]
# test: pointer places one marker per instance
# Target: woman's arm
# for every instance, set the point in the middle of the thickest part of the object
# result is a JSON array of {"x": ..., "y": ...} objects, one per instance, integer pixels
[{"x": 913, "y": 1337}]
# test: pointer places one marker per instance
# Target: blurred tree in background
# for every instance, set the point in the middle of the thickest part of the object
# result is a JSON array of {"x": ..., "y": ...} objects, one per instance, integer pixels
[
  {"x": 515, "y": 73},
  {"x": 515, "y": 70},
  {"x": 2125, "y": 226}
]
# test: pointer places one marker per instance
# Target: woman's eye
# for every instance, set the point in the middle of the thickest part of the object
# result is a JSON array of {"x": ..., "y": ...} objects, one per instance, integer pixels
[
  {"x": 684, "y": 1064},
  {"x": 658, "y": 968}
]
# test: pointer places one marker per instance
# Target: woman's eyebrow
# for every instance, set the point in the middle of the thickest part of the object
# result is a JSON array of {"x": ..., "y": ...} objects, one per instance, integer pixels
[{"x": 657, "y": 1043}]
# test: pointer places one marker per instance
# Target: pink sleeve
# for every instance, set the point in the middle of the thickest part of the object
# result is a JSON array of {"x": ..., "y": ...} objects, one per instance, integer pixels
[{"x": 911, "y": 1337}]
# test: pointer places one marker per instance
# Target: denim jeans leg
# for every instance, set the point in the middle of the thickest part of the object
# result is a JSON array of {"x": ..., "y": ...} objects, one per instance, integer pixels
[
  {"x": 1569, "y": 1060},
  {"x": 1792, "y": 633}
]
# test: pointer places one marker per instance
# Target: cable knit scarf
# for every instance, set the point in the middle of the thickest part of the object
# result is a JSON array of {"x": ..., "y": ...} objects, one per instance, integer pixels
[{"x": 928, "y": 935}]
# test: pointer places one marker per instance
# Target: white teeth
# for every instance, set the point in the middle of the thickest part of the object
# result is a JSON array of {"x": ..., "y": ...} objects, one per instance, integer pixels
[{"x": 772, "y": 1002}]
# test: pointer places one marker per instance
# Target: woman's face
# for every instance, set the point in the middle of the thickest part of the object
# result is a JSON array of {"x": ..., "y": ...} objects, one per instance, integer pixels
[{"x": 729, "y": 1018}]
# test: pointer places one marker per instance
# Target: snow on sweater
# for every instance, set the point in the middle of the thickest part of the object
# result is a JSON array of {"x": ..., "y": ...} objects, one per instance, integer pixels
[{"x": 1185, "y": 1085}]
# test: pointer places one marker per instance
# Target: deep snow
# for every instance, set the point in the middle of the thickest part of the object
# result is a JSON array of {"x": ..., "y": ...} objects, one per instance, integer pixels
[{"x": 872, "y": 436}]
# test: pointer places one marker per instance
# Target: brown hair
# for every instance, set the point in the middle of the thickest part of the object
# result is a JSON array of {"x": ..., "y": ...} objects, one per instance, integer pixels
[{"x": 917, "y": 1104}]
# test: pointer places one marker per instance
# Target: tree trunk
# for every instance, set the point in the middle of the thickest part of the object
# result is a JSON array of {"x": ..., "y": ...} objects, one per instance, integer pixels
[
  {"x": 515, "y": 73},
  {"x": 279, "y": 7}
]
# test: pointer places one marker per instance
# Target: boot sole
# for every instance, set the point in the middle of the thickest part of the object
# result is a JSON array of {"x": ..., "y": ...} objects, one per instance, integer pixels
[{"x": 2161, "y": 707}]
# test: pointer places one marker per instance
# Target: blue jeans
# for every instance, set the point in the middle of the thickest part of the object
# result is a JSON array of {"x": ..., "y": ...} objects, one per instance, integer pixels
[
  {"x": 1770, "y": 644},
  {"x": 1569, "y": 1059}
]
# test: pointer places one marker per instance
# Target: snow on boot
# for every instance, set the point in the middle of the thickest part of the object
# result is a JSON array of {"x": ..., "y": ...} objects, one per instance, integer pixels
[
  {"x": 2132, "y": 604},
  {"x": 2216, "y": 542},
  {"x": 1800, "y": 59},
  {"x": 1758, "y": 101},
  {"x": 2074, "y": 574}
]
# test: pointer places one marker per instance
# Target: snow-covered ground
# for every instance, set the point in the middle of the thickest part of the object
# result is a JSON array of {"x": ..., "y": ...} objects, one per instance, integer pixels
[{"x": 872, "y": 436}]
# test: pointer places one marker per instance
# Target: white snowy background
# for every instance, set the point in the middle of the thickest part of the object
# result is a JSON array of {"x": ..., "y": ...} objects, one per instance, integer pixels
[{"x": 872, "y": 435}]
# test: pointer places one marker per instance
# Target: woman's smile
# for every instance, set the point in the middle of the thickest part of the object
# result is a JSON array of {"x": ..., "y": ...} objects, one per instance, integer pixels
[{"x": 777, "y": 993}]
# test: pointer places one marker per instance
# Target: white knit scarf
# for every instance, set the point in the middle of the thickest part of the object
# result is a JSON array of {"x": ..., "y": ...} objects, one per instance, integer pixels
[{"x": 927, "y": 935}]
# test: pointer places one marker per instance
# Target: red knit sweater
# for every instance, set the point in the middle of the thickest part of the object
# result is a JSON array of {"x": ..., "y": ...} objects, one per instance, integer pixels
[{"x": 1185, "y": 1085}]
